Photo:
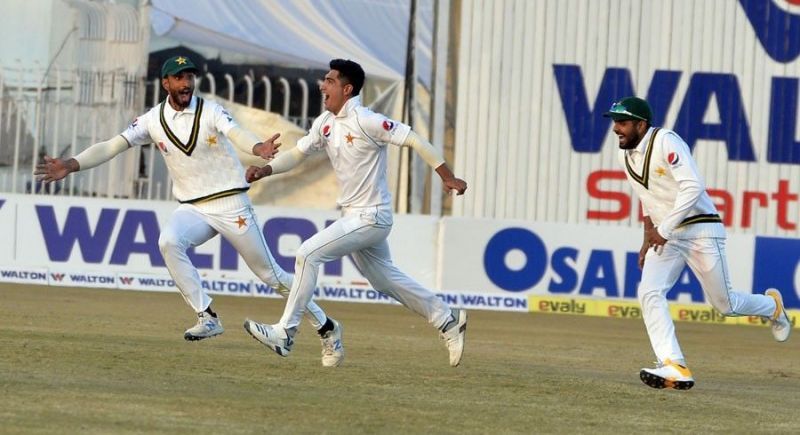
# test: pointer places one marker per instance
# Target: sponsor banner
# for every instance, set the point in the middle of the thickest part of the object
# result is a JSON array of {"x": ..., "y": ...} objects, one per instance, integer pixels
[
  {"x": 212, "y": 285},
  {"x": 64, "y": 278},
  {"x": 585, "y": 261},
  {"x": 23, "y": 275},
  {"x": 145, "y": 282},
  {"x": 561, "y": 305},
  {"x": 474, "y": 301},
  {"x": 350, "y": 293},
  {"x": 227, "y": 286},
  {"x": 484, "y": 301},
  {"x": 618, "y": 309},
  {"x": 122, "y": 236},
  {"x": 736, "y": 109},
  {"x": 697, "y": 313},
  {"x": 478, "y": 263}
]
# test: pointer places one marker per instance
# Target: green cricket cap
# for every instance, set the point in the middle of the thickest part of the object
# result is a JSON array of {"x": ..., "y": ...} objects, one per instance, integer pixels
[
  {"x": 176, "y": 64},
  {"x": 630, "y": 108}
]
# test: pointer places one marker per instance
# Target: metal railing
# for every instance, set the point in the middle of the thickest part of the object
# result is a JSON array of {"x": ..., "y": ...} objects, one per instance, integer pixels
[
  {"x": 60, "y": 116},
  {"x": 73, "y": 109},
  {"x": 206, "y": 82}
]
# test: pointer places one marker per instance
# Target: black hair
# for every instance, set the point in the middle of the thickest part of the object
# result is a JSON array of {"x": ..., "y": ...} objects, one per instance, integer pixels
[{"x": 350, "y": 72}]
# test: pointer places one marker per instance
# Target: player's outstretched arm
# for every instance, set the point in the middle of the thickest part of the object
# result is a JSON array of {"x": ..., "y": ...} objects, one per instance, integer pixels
[
  {"x": 434, "y": 159},
  {"x": 248, "y": 143},
  {"x": 52, "y": 169}
]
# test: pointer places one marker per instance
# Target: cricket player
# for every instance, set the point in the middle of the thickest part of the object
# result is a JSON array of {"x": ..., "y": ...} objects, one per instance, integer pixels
[
  {"x": 355, "y": 139},
  {"x": 681, "y": 226},
  {"x": 209, "y": 182}
]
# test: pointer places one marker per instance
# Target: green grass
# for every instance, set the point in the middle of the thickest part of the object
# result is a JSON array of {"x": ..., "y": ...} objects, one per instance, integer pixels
[{"x": 102, "y": 361}]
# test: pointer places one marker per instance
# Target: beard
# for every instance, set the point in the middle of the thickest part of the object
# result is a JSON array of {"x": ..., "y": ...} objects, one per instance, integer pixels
[
  {"x": 182, "y": 97},
  {"x": 630, "y": 144},
  {"x": 633, "y": 140}
]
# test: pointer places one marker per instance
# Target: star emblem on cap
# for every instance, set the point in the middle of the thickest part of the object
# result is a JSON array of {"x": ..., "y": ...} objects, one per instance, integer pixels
[
  {"x": 349, "y": 138},
  {"x": 241, "y": 222},
  {"x": 180, "y": 60}
]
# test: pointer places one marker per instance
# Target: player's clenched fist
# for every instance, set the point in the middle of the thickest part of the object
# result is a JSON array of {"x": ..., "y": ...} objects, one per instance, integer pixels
[
  {"x": 457, "y": 184},
  {"x": 254, "y": 173}
]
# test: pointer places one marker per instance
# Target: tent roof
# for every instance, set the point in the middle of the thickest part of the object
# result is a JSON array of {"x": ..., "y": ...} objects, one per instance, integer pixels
[{"x": 304, "y": 33}]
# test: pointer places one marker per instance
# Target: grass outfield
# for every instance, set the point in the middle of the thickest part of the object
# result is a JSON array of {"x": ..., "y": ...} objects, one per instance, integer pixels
[{"x": 105, "y": 361}]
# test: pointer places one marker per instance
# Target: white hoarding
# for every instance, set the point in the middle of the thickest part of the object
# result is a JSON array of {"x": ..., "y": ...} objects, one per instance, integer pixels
[{"x": 526, "y": 258}]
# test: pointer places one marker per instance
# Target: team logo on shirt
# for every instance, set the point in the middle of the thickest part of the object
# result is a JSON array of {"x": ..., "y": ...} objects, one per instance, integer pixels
[
  {"x": 212, "y": 140},
  {"x": 388, "y": 125},
  {"x": 326, "y": 131},
  {"x": 673, "y": 159},
  {"x": 349, "y": 138}
]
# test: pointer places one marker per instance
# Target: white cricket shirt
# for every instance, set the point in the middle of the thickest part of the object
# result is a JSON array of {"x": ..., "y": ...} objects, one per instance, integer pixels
[
  {"x": 355, "y": 140},
  {"x": 664, "y": 175},
  {"x": 202, "y": 164}
]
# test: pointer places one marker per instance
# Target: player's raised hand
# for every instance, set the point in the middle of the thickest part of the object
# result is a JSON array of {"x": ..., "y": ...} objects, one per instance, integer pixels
[
  {"x": 457, "y": 184},
  {"x": 50, "y": 169},
  {"x": 267, "y": 149}
]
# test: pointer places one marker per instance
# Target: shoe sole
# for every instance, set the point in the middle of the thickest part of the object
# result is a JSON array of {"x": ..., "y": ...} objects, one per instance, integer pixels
[
  {"x": 279, "y": 350},
  {"x": 336, "y": 364},
  {"x": 775, "y": 294},
  {"x": 658, "y": 382},
  {"x": 190, "y": 337},
  {"x": 462, "y": 335}
]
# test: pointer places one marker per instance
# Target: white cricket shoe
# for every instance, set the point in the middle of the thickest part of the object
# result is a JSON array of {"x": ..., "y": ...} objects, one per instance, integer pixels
[
  {"x": 453, "y": 333},
  {"x": 668, "y": 375},
  {"x": 274, "y": 337},
  {"x": 207, "y": 326},
  {"x": 332, "y": 348},
  {"x": 781, "y": 325}
]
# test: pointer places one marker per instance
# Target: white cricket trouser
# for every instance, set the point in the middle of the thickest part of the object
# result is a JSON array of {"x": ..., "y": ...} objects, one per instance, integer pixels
[
  {"x": 706, "y": 258},
  {"x": 361, "y": 233},
  {"x": 233, "y": 217}
]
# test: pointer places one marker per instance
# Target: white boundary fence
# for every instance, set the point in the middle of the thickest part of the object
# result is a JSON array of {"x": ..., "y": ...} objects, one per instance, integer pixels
[{"x": 474, "y": 263}]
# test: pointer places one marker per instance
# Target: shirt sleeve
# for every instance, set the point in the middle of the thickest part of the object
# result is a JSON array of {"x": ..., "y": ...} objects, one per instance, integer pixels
[
  {"x": 223, "y": 121},
  {"x": 683, "y": 168},
  {"x": 382, "y": 129},
  {"x": 313, "y": 141},
  {"x": 137, "y": 133}
]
